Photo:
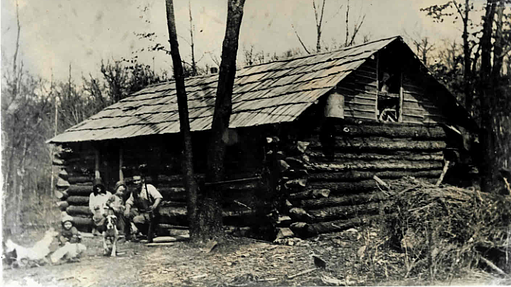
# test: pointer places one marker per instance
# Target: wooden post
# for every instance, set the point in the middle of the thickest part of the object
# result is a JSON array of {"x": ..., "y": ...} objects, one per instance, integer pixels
[
  {"x": 121, "y": 175},
  {"x": 96, "y": 163},
  {"x": 401, "y": 100},
  {"x": 377, "y": 86}
]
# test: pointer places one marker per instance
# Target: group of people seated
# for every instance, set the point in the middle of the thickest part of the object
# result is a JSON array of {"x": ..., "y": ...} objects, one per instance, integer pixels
[{"x": 136, "y": 208}]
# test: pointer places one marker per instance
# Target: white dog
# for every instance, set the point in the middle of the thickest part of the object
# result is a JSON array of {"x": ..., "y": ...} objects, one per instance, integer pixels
[
  {"x": 35, "y": 253},
  {"x": 110, "y": 235}
]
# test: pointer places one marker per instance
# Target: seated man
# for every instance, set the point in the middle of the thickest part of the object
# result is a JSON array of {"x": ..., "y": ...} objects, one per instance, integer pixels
[{"x": 145, "y": 199}]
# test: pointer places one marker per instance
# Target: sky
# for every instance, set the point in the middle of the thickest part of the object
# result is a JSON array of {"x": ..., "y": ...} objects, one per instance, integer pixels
[{"x": 58, "y": 33}]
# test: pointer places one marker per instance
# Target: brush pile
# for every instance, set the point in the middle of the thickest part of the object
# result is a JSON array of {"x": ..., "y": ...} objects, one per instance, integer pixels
[{"x": 444, "y": 230}]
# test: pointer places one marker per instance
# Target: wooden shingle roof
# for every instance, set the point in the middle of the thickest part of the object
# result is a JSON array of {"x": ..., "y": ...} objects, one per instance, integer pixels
[{"x": 269, "y": 93}]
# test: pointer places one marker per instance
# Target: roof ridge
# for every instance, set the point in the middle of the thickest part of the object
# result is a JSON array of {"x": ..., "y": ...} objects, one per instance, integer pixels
[
  {"x": 325, "y": 52},
  {"x": 170, "y": 81}
]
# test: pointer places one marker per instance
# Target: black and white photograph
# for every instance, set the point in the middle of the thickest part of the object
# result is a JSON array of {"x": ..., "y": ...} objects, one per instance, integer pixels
[{"x": 236, "y": 143}]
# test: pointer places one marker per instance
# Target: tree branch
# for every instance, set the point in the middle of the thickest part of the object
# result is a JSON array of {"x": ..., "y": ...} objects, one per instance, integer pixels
[
  {"x": 356, "y": 29},
  {"x": 300, "y": 40}
]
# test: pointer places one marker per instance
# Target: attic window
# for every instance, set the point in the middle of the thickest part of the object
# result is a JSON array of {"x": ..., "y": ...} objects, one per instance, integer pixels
[{"x": 389, "y": 88}]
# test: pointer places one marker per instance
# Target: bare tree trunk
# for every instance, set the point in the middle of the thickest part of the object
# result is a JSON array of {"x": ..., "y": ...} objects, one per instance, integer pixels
[
  {"x": 497, "y": 47},
  {"x": 319, "y": 23},
  {"x": 488, "y": 168},
  {"x": 211, "y": 212},
  {"x": 184, "y": 124},
  {"x": 347, "y": 24},
  {"x": 15, "y": 58},
  {"x": 192, "y": 44},
  {"x": 502, "y": 107},
  {"x": 20, "y": 173},
  {"x": 467, "y": 75}
]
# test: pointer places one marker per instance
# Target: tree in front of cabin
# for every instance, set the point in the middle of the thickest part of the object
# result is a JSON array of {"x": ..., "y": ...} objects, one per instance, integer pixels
[{"x": 206, "y": 213}]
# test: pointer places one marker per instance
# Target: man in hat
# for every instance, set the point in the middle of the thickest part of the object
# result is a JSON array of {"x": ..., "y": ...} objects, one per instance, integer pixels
[{"x": 142, "y": 206}]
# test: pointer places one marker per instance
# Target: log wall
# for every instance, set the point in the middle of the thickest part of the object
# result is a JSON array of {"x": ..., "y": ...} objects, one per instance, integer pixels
[
  {"x": 245, "y": 194},
  {"x": 337, "y": 190}
]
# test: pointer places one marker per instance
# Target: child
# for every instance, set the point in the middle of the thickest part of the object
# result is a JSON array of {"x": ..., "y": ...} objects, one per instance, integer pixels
[
  {"x": 69, "y": 239},
  {"x": 116, "y": 203},
  {"x": 69, "y": 233}
]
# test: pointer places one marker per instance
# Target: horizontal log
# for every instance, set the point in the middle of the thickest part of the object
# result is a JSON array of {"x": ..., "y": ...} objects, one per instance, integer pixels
[
  {"x": 296, "y": 184},
  {"x": 63, "y": 173},
  {"x": 299, "y": 214},
  {"x": 80, "y": 221},
  {"x": 378, "y": 143},
  {"x": 170, "y": 226},
  {"x": 83, "y": 190},
  {"x": 352, "y": 199},
  {"x": 168, "y": 230},
  {"x": 170, "y": 203},
  {"x": 412, "y": 156},
  {"x": 78, "y": 209},
  {"x": 389, "y": 130},
  {"x": 245, "y": 186},
  {"x": 295, "y": 162},
  {"x": 375, "y": 165},
  {"x": 343, "y": 212},
  {"x": 313, "y": 229},
  {"x": 299, "y": 228},
  {"x": 170, "y": 189},
  {"x": 174, "y": 215},
  {"x": 60, "y": 194},
  {"x": 172, "y": 195},
  {"x": 62, "y": 205},
  {"x": 80, "y": 179},
  {"x": 172, "y": 211},
  {"x": 178, "y": 216},
  {"x": 300, "y": 195},
  {"x": 345, "y": 187},
  {"x": 284, "y": 232},
  {"x": 59, "y": 162},
  {"x": 240, "y": 231},
  {"x": 62, "y": 183},
  {"x": 310, "y": 193},
  {"x": 78, "y": 200},
  {"x": 355, "y": 175}
]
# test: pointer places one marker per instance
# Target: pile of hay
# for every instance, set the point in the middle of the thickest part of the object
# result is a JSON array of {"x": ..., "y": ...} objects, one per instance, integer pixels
[{"x": 445, "y": 230}]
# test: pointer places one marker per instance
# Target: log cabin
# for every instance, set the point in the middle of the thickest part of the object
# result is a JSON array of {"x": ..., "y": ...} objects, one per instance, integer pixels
[{"x": 306, "y": 137}]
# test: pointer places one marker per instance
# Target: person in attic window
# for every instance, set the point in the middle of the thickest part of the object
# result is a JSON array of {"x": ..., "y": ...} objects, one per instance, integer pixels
[{"x": 385, "y": 86}]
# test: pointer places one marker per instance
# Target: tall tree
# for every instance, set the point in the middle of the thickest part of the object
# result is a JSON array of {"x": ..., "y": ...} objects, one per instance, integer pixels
[
  {"x": 211, "y": 212},
  {"x": 192, "y": 42},
  {"x": 489, "y": 170},
  {"x": 319, "y": 22},
  {"x": 184, "y": 124},
  {"x": 439, "y": 12},
  {"x": 319, "y": 11}
]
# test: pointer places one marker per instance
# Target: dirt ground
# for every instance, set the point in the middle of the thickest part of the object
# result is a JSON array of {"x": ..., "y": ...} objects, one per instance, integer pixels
[{"x": 236, "y": 262}]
